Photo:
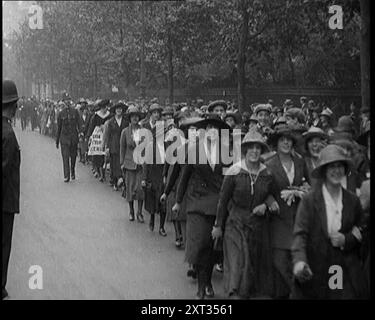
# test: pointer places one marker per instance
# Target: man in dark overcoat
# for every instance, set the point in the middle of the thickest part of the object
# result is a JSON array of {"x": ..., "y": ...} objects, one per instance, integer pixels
[
  {"x": 68, "y": 127},
  {"x": 11, "y": 175}
]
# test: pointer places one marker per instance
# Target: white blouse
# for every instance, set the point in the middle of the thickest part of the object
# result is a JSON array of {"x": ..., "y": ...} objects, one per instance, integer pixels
[{"x": 333, "y": 211}]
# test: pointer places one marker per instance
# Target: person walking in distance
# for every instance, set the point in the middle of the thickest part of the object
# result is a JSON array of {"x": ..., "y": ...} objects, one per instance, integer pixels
[
  {"x": 11, "y": 175},
  {"x": 68, "y": 127}
]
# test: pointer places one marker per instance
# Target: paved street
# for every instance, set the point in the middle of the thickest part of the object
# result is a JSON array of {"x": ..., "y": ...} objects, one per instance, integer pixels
[{"x": 79, "y": 233}]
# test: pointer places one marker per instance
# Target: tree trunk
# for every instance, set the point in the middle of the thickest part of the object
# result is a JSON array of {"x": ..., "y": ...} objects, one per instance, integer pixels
[
  {"x": 143, "y": 73},
  {"x": 241, "y": 58},
  {"x": 170, "y": 72},
  {"x": 170, "y": 63},
  {"x": 365, "y": 52}
]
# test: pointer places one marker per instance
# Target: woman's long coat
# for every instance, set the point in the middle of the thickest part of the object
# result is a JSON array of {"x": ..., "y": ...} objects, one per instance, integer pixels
[
  {"x": 282, "y": 224},
  {"x": 312, "y": 245}
]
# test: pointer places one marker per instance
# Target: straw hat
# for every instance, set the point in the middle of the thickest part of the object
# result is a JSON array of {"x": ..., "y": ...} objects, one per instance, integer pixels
[
  {"x": 331, "y": 153},
  {"x": 253, "y": 136}
]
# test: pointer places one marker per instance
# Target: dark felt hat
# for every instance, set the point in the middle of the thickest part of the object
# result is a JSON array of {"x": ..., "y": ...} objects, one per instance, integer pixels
[
  {"x": 118, "y": 105},
  {"x": 282, "y": 130},
  {"x": 214, "y": 120},
  {"x": 235, "y": 115},
  {"x": 10, "y": 93},
  {"x": 345, "y": 124}
]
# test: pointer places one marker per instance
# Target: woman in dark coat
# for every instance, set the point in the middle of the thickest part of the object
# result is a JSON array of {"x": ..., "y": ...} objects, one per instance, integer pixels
[
  {"x": 200, "y": 184},
  {"x": 246, "y": 193},
  {"x": 133, "y": 171},
  {"x": 112, "y": 134},
  {"x": 172, "y": 173},
  {"x": 327, "y": 232},
  {"x": 152, "y": 180},
  {"x": 98, "y": 120},
  {"x": 291, "y": 177}
]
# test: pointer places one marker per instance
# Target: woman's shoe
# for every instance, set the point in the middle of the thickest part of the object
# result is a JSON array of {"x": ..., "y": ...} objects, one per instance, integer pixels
[
  {"x": 162, "y": 232},
  {"x": 209, "y": 291},
  {"x": 178, "y": 243},
  {"x": 131, "y": 216},
  {"x": 140, "y": 218},
  {"x": 201, "y": 293}
]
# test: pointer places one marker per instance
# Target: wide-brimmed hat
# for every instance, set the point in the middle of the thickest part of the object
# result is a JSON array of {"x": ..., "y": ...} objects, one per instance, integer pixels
[
  {"x": 214, "y": 120},
  {"x": 155, "y": 107},
  {"x": 235, "y": 115},
  {"x": 168, "y": 110},
  {"x": 296, "y": 113},
  {"x": 329, "y": 154},
  {"x": 345, "y": 124},
  {"x": 10, "y": 93},
  {"x": 118, "y": 105},
  {"x": 281, "y": 131},
  {"x": 134, "y": 110},
  {"x": 362, "y": 139},
  {"x": 101, "y": 103},
  {"x": 263, "y": 107},
  {"x": 191, "y": 121},
  {"x": 314, "y": 132},
  {"x": 213, "y": 104},
  {"x": 254, "y": 136}
]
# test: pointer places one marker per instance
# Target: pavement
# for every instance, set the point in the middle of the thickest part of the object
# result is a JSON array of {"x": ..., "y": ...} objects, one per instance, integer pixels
[{"x": 80, "y": 236}]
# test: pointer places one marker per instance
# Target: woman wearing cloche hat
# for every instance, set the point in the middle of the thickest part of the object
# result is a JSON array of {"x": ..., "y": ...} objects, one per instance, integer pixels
[
  {"x": 327, "y": 232},
  {"x": 247, "y": 250}
]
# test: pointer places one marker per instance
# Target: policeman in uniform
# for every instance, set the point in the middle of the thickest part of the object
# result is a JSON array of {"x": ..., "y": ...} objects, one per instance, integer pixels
[
  {"x": 68, "y": 127},
  {"x": 11, "y": 174}
]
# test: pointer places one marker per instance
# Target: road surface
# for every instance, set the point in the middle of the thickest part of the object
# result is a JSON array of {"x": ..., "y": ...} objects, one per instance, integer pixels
[{"x": 80, "y": 235}]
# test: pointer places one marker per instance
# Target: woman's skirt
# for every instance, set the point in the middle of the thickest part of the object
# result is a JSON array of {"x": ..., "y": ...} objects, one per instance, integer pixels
[
  {"x": 199, "y": 243},
  {"x": 115, "y": 166},
  {"x": 98, "y": 161},
  {"x": 133, "y": 183},
  {"x": 247, "y": 258}
]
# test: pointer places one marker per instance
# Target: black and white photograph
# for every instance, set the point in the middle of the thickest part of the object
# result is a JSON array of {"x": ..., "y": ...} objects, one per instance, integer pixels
[{"x": 213, "y": 150}]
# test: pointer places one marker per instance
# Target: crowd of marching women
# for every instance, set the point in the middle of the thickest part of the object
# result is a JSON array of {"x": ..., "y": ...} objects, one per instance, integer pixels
[{"x": 274, "y": 222}]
